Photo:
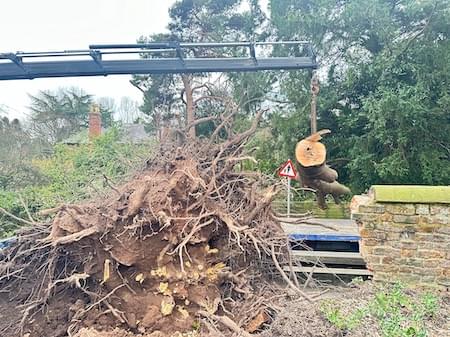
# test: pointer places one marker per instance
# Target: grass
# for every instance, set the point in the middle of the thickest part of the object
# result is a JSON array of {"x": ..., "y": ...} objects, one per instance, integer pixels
[{"x": 397, "y": 311}]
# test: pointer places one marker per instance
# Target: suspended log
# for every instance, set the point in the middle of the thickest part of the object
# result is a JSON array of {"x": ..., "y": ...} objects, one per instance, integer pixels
[
  {"x": 310, "y": 153},
  {"x": 313, "y": 170}
]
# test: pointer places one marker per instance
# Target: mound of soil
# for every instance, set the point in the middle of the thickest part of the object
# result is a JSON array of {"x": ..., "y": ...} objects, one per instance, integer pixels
[{"x": 176, "y": 250}]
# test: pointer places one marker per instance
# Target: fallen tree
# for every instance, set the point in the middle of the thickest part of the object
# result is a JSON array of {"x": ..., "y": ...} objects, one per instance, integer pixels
[{"x": 178, "y": 248}]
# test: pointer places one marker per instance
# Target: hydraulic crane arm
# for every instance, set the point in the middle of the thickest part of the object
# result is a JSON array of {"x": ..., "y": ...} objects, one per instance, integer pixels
[{"x": 153, "y": 58}]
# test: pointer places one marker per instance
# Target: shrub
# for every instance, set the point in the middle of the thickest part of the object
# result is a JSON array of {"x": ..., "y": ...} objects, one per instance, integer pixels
[{"x": 73, "y": 173}]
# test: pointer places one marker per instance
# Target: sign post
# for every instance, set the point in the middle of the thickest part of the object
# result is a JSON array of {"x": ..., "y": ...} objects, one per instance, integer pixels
[
  {"x": 288, "y": 171},
  {"x": 289, "y": 198}
]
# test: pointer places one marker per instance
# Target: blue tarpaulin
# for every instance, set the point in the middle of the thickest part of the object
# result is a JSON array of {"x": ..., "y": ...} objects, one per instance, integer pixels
[{"x": 5, "y": 243}]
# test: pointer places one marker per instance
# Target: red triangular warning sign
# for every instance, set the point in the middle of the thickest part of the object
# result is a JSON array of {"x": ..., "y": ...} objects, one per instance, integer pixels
[{"x": 287, "y": 170}]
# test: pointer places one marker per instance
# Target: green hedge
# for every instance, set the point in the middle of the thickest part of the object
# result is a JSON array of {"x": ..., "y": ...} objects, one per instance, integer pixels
[{"x": 73, "y": 173}]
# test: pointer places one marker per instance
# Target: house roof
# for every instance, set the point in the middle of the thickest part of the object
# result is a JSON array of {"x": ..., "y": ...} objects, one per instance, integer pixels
[{"x": 134, "y": 133}]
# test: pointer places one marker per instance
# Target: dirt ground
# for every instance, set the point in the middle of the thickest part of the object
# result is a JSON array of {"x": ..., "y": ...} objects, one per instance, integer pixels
[
  {"x": 295, "y": 318},
  {"x": 303, "y": 320}
]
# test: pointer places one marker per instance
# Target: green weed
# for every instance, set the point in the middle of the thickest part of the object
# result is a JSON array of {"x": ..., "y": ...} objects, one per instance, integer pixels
[
  {"x": 343, "y": 321},
  {"x": 397, "y": 311}
]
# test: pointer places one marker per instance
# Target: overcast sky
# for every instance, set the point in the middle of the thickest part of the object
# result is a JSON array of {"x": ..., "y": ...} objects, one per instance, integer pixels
[{"x": 44, "y": 25}]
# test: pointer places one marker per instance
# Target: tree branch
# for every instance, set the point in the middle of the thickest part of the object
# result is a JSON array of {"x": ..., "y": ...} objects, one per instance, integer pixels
[
  {"x": 4, "y": 211},
  {"x": 199, "y": 121}
]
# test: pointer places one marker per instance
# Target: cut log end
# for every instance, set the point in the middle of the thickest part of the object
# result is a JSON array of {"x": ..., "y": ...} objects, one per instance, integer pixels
[{"x": 310, "y": 153}]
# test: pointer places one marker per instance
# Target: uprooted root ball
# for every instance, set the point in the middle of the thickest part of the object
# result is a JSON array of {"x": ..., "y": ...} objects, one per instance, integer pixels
[{"x": 176, "y": 249}]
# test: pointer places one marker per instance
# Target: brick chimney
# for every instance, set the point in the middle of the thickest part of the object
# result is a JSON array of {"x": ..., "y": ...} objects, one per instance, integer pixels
[{"x": 95, "y": 122}]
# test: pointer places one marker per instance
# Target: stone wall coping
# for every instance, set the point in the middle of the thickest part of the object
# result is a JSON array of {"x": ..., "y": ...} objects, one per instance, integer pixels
[{"x": 410, "y": 194}]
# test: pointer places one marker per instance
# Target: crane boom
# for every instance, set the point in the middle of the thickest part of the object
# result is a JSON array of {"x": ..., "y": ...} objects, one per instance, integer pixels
[{"x": 153, "y": 58}]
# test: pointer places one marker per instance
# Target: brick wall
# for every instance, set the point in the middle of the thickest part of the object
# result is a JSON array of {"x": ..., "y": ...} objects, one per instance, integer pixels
[{"x": 406, "y": 240}]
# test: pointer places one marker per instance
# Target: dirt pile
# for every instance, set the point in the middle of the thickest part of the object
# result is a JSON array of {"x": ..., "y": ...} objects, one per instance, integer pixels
[{"x": 178, "y": 249}]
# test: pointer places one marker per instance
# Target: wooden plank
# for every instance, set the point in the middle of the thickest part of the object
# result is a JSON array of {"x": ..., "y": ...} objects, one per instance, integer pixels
[
  {"x": 337, "y": 271},
  {"x": 411, "y": 193},
  {"x": 312, "y": 256},
  {"x": 320, "y": 253},
  {"x": 322, "y": 230},
  {"x": 339, "y": 223},
  {"x": 313, "y": 226},
  {"x": 324, "y": 237}
]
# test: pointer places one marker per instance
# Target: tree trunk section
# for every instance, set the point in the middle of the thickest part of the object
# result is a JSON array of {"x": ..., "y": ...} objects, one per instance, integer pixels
[
  {"x": 314, "y": 92},
  {"x": 190, "y": 113},
  {"x": 310, "y": 153},
  {"x": 314, "y": 172}
]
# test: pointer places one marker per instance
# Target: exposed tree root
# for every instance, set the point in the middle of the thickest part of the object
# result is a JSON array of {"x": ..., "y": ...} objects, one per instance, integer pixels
[
  {"x": 286, "y": 278},
  {"x": 226, "y": 321},
  {"x": 185, "y": 238},
  {"x": 12, "y": 216}
]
